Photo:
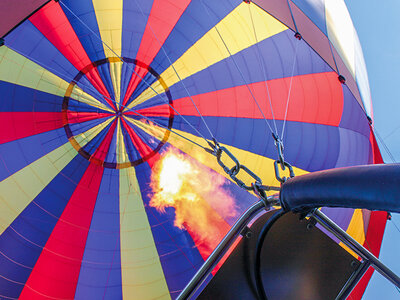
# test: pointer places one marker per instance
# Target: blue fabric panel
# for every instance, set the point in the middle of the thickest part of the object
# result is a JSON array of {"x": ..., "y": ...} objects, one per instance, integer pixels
[
  {"x": 126, "y": 73},
  {"x": 18, "y": 154},
  {"x": 21, "y": 244},
  {"x": 133, "y": 154},
  {"x": 89, "y": 38},
  {"x": 105, "y": 74},
  {"x": 310, "y": 147},
  {"x": 78, "y": 128},
  {"x": 15, "y": 97},
  {"x": 75, "y": 105},
  {"x": 100, "y": 275},
  {"x": 27, "y": 40},
  {"x": 133, "y": 26}
]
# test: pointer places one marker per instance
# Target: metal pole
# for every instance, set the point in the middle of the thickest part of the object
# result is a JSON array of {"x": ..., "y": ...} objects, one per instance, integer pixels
[
  {"x": 353, "y": 280},
  {"x": 220, "y": 250},
  {"x": 329, "y": 225}
]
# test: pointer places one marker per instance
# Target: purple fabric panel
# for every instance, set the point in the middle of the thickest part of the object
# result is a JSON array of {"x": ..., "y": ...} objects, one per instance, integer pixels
[
  {"x": 13, "y": 12},
  {"x": 341, "y": 216},
  {"x": 354, "y": 149},
  {"x": 277, "y": 8},
  {"x": 353, "y": 116},
  {"x": 313, "y": 35},
  {"x": 314, "y": 10}
]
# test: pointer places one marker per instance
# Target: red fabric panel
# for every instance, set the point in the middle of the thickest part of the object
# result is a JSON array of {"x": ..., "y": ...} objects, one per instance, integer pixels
[
  {"x": 376, "y": 228},
  {"x": 17, "y": 125},
  {"x": 375, "y": 149},
  {"x": 54, "y": 25},
  {"x": 12, "y": 12},
  {"x": 141, "y": 146},
  {"x": 56, "y": 272},
  {"x": 315, "y": 98},
  {"x": 80, "y": 117},
  {"x": 162, "y": 19},
  {"x": 101, "y": 152}
]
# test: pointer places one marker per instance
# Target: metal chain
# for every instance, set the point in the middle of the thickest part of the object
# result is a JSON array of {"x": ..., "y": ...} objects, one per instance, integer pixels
[
  {"x": 280, "y": 163},
  {"x": 257, "y": 187}
]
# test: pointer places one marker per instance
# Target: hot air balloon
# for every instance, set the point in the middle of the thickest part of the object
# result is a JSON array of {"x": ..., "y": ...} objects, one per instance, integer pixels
[{"x": 112, "y": 113}]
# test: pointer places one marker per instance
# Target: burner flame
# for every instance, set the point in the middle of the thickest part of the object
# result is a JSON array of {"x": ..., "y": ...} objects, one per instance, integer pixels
[{"x": 202, "y": 204}]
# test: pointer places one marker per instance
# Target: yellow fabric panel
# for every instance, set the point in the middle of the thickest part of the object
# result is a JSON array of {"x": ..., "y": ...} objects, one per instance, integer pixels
[
  {"x": 238, "y": 34},
  {"x": 18, "y": 190},
  {"x": 115, "y": 72},
  {"x": 260, "y": 165},
  {"x": 109, "y": 20},
  {"x": 17, "y": 69},
  {"x": 122, "y": 156},
  {"x": 356, "y": 230},
  {"x": 142, "y": 274}
]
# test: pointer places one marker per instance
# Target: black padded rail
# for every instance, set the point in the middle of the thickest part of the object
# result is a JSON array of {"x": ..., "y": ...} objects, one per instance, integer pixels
[{"x": 374, "y": 187}]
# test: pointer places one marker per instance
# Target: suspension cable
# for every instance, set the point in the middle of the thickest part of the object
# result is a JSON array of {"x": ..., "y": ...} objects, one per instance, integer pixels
[
  {"x": 383, "y": 144},
  {"x": 167, "y": 102},
  {"x": 290, "y": 85},
  {"x": 237, "y": 67},
  {"x": 176, "y": 72},
  {"x": 261, "y": 62}
]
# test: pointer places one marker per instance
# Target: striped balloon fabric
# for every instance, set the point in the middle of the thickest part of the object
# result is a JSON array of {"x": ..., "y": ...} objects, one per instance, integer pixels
[{"x": 106, "y": 108}]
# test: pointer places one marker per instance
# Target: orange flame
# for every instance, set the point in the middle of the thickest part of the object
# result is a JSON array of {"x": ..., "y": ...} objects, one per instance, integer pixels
[{"x": 201, "y": 203}]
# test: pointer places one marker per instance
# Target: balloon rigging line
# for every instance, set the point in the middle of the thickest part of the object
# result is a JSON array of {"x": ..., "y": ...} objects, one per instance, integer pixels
[
  {"x": 167, "y": 102},
  {"x": 261, "y": 62},
  {"x": 176, "y": 72},
  {"x": 237, "y": 67},
  {"x": 392, "y": 132},
  {"x": 384, "y": 144},
  {"x": 395, "y": 225},
  {"x": 290, "y": 88}
]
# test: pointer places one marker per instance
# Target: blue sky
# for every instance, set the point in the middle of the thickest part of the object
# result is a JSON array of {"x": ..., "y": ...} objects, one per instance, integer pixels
[{"x": 378, "y": 27}]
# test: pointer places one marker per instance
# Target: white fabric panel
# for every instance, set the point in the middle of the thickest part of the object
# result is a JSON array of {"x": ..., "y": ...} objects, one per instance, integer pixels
[
  {"x": 341, "y": 32},
  {"x": 362, "y": 77}
]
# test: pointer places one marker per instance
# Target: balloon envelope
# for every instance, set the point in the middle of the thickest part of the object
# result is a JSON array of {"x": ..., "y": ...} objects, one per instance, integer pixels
[{"x": 95, "y": 95}]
